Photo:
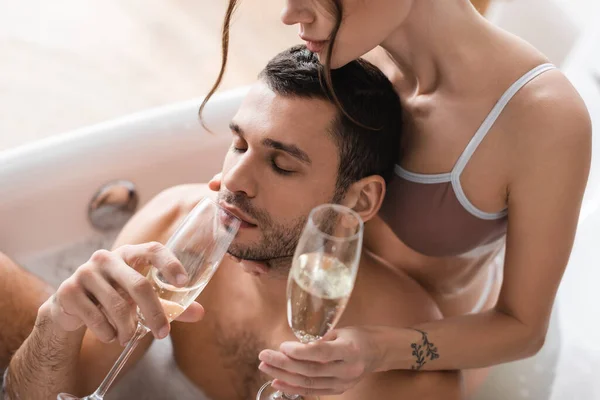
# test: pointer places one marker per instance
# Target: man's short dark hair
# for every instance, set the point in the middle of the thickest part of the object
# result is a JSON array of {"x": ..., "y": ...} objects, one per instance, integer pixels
[{"x": 368, "y": 141}]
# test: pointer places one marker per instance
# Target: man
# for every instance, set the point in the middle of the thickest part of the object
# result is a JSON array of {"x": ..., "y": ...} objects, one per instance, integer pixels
[
  {"x": 292, "y": 150},
  {"x": 18, "y": 311}
]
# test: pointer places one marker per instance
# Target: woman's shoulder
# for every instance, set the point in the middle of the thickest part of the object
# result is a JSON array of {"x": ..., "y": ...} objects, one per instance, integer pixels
[
  {"x": 549, "y": 130},
  {"x": 546, "y": 110}
]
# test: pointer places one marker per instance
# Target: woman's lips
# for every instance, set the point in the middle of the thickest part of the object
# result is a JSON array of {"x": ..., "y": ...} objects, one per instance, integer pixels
[{"x": 316, "y": 46}]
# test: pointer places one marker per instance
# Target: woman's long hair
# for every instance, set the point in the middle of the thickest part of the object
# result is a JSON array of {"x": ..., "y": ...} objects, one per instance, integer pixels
[{"x": 337, "y": 11}]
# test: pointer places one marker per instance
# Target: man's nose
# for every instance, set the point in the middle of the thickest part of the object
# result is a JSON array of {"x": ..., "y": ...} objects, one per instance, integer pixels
[
  {"x": 240, "y": 178},
  {"x": 296, "y": 12}
]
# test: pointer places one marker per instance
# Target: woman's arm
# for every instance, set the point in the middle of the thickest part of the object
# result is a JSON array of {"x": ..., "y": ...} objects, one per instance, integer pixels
[
  {"x": 551, "y": 152},
  {"x": 549, "y": 174}
]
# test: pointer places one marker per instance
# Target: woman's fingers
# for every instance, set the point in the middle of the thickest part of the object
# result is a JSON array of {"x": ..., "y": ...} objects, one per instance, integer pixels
[
  {"x": 296, "y": 380},
  {"x": 305, "y": 392},
  {"x": 215, "y": 183},
  {"x": 321, "y": 351},
  {"x": 331, "y": 365},
  {"x": 306, "y": 368}
]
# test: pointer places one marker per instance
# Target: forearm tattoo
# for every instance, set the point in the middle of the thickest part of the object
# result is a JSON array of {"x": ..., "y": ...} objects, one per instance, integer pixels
[{"x": 423, "y": 350}]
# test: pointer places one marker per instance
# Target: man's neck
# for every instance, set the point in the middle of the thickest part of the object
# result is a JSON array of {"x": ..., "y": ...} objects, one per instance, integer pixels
[{"x": 272, "y": 287}]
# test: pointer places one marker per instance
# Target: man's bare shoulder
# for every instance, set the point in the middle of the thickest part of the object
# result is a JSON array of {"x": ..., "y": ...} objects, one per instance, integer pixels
[
  {"x": 158, "y": 219},
  {"x": 180, "y": 197},
  {"x": 385, "y": 296}
]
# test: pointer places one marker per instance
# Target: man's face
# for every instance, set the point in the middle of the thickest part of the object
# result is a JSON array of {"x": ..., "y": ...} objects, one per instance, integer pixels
[{"x": 282, "y": 163}]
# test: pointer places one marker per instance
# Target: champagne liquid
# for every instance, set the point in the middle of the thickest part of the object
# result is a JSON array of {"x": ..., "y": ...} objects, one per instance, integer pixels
[
  {"x": 172, "y": 310},
  {"x": 176, "y": 299},
  {"x": 318, "y": 289}
]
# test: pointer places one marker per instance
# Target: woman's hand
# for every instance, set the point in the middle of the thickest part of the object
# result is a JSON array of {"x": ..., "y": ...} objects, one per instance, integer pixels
[
  {"x": 330, "y": 366},
  {"x": 215, "y": 183}
]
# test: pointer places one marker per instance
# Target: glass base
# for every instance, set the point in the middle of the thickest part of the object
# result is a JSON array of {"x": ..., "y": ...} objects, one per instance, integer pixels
[
  {"x": 267, "y": 392},
  {"x": 66, "y": 396}
]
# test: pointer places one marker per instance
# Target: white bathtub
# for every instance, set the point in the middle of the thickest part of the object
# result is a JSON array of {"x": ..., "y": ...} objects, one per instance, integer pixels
[{"x": 45, "y": 189}]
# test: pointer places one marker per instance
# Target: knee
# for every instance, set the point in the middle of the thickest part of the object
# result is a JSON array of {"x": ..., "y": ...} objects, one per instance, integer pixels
[
  {"x": 5, "y": 262},
  {"x": 20, "y": 288},
  {"x": 8, "y": 266},
  {"x": 22, "y": 294}
]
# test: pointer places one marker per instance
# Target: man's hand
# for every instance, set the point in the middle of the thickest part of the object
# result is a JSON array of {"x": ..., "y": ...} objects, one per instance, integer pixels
[{"x": 103, "y": 293}]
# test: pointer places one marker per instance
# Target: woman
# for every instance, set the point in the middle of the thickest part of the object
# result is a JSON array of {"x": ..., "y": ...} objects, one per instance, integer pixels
[{"x": 496, "y": 152}]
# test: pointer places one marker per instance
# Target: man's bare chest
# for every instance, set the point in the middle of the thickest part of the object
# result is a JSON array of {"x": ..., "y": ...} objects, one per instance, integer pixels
[{"x": 220, "y": 353}]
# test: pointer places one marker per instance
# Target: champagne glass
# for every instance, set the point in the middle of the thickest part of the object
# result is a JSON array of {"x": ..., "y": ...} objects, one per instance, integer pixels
[
  {"x": 321, "y": 278},
  {"x": 199, "y": 243}
]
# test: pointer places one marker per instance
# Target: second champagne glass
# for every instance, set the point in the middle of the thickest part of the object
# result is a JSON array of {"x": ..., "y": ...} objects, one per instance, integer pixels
[
  {"x": 321, "y": 278},
  {"x": 200, "y": 243}
]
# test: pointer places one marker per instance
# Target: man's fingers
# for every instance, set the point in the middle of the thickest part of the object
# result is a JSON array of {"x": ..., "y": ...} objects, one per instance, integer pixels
[
  {"x": 159, "y": 256},
  {"x": 141, "y": 291},
  {"x": 103, "y": 293},
  {"x": 67, "y": 321},
  {"x": 120, "y": 311},
  {"x": 75, "y": 303},
  {"x": 194, "y": 313}
]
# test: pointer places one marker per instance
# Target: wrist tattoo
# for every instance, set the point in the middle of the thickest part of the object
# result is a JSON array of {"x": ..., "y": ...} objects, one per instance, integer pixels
[{"x": 422, "y": 351}]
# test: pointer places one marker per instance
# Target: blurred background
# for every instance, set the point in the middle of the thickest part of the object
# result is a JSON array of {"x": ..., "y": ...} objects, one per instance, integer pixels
[
  {"x": 65, "y": 64},
  {"x": 69, "y": 64}
]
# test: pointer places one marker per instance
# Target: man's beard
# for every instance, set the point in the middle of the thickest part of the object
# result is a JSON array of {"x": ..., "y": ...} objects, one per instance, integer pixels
[{"x": 278, "y": 242}]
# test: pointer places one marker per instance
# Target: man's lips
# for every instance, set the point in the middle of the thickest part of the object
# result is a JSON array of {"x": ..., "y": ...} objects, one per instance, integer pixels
[{"x": 245, "y": 221}]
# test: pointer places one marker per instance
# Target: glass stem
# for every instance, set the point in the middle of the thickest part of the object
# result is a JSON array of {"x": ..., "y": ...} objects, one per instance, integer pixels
[{"x": 140, "y": 332}]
